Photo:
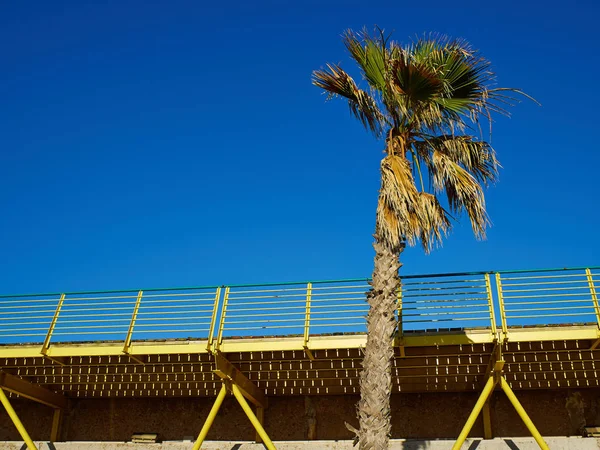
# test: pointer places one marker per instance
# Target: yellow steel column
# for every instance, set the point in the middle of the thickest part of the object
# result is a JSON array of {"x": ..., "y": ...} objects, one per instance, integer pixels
[
  {"x": 56, "y": 425},
  {"x": 487, "y": 421},
  {"x": 307, "y": 321},
  {"x": 523, "y": 415},
  {"x": 16, "y": 421},
  {"x": 257, "y": 426},
  {"x": 211, "y": 417},
  {"x": 260, "y": 415},
  {"x": 485, "y": 394}
]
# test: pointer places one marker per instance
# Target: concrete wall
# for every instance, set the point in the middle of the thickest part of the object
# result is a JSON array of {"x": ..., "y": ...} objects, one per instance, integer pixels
[{"x": 425, "y": 416}]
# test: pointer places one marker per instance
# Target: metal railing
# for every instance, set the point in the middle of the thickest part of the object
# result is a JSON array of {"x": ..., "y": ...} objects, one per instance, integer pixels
[{"x": 486, "y": 300}]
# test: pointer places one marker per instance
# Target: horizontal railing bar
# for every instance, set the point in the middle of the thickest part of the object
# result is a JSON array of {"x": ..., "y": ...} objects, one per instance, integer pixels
[
  {"x": 68, "y": 298},
  {"x": 259, "y": 314},
  {"x": 444, "y": 288},
  {"x": 152, "y": 325},
  {"x": 323, "y": 288},
  {"x": 446, "y": 313},
  {"x": 299, "y": 327},
  {"x": 23, "y": 335},
  {"x": 21, "y": 316},
  {"x": 67, "y": 314},
  {"x": 572, "y": 288},
  {"x": 198, "y": 330},
  {"x": 61, "y": 321},
  {"x": 422, "y": 302},
  {"x": 544, "y": 283},
  {"x": 236, "y": 303},
  {"x": 45, "y": 300},
  {"x": 233, "y": 297},
  {"x": 264, "y": 291},
  {"x": 419, "y": 308},
  {"x": 155, "y": 313},
  {"x": 443, "y": 294},
  {"x": 270, "y": 321},
  {"x": 548, "y": 302},
  {"x": 330, "y": 294},
  {"x": 458, "y": 319},
  {"x": 149, "y": 319},
  {"x": 427, "y": 282},
  {"x": 541, "y": 277},
  {"x": 205, "y": 301},
  {"x": 67, "y": 304},
  {"x": 591, "y": 307},
  {"x": 545, "y": 295},
  {"x": 547, "y": 315},
  {"x": 89, "y": 327},
  {"x": 209, "y": 294}
]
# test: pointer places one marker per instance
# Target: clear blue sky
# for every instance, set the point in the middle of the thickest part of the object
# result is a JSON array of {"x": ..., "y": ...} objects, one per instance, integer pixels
[{"x": 153, "y": 144}]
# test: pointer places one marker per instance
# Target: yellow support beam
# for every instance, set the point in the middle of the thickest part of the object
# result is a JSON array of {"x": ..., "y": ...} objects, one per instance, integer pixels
[
  {"x": 222, "y": 320},
  {"x": 487, "y": 420},
  {"x": 523, "y": 415},
  {"x": 16, "y": 421},
  {"x": 211, "y": 417},
  {"x": 228, "y": 371},
  {"x": 490, "y": 299},
  {"x": 483, "y": 398},
  {"x": 56, "y": 425},
  {"x": 255, "y": 422},
  {"x": 31, "y": 391}
]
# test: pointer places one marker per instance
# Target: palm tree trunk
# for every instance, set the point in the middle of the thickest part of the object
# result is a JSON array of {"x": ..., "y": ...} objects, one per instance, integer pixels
[{"x": 374, "y": 410}]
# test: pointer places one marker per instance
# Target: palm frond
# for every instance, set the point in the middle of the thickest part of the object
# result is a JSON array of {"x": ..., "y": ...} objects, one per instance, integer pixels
[
  {"x": 477, "y": 157},
  {"x": 336, "y": 82},
  {"x": 462, "y": 189}
]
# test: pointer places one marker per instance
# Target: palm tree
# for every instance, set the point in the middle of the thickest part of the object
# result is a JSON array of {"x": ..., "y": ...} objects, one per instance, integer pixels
[{"x": 427, "y": 101}]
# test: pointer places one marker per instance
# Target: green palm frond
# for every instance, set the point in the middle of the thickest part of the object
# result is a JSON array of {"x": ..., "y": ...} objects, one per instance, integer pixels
[{"x": 426, "y": 99}]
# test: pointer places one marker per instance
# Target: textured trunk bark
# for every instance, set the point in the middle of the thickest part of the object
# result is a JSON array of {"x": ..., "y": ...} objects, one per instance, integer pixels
[{"x": 376, "y": 376}]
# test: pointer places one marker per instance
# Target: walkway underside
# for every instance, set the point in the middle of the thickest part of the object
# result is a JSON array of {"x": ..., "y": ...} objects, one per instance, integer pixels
[{"x": 452, "y": 361}]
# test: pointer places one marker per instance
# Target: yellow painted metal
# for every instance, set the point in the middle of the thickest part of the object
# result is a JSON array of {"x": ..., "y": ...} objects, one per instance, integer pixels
[
  {"x": 222, "y": 319},
  {"x": 501, "y": 305},
  {"x": 56, "y": 425},
  {"x": 228, "y": 371},
  {"x": 213, "y": 321},
  {"x": 260, "y": 415},
  {"x": 211, "y": 417},
  {"x": 485, "y": 394},
  {"x": 488, "y": 289},
  {"x": 26, "y": 389},
  {"x": 253, "y": 419},
  {"x": 134, "y": 315},
  {"x": 592, "y": 286},
  {"x": 307, "y": 321},
  {"x": 487, "y": 421},
  {"x": 16, "y": 421},
  {"x": 46, "y": 343},
  {"x": 523, "y": 415}
]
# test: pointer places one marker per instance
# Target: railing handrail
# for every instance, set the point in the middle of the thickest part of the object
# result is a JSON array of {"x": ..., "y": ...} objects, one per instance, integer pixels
[{"x": 291, "y": 283}]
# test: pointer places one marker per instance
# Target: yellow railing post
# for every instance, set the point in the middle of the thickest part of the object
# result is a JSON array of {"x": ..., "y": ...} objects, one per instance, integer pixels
[
  {"x": 488, "y": 289},
  {"x": 255, "y": 422},
  {"x": 501, "y": 306},
  {"x": 523, "y": 415},
  {"x": 592, "y": 286},
  {"x": 16, "y": 421},
  {"x": 222, "y": 319},
  {"x": 307, "y": 321},
  {"x": 211, "y": 417},
  {"x": 213, "y": 321},
  {"x": 46, "y": 343},
  {"x": 132, "y": 322}
]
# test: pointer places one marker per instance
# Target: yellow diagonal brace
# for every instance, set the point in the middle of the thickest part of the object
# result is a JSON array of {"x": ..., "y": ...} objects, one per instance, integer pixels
[
  {"x": 16, "y": 421},
  {"x": 213, "y": 321},
  {"x": 32, "y": 391},
  {"x": 211, "y": 417},
  {"x": 523, "y": 415},
  {"x": 592, "y": 286},
  {"x": 485, "y": 394},
  {"x": 228, "y": 371},
  {"x": 255, "y": 422}
]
